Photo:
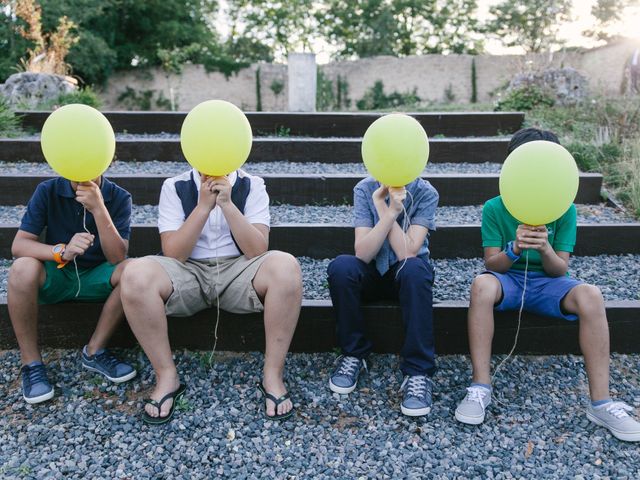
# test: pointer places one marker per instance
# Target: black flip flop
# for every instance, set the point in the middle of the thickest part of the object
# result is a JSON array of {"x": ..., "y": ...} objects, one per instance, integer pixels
[
  {"x": 175, "y": 396},
  {"x": 276, "y": 401}
]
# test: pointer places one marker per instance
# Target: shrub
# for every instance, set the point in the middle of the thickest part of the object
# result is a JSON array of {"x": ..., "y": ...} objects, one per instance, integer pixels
[
  {"x": 376, "y": 99},
  {"x": 9, "y": 123},
  {"x": 526, "y": 97},
  {"x": 86, "y": 96}
]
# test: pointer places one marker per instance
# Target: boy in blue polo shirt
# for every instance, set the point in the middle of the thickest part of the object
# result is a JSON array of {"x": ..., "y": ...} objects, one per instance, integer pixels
[
  {"x": 76, "y": 261},
  {"x": 550, "y": 291},
  {"x": 389, "y": 263}
]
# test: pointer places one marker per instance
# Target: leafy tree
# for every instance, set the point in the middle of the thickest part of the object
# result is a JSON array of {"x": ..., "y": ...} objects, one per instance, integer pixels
[
  {"x": 532, "y": 25},
  {"x": 365, "y": 28},
  {"x": 270, "y": 28},
  {"x": 607, "y": 14}
]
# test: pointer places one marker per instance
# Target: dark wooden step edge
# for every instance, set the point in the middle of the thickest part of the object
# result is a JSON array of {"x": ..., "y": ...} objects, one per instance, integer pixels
[{"x": 70, "y": 325}]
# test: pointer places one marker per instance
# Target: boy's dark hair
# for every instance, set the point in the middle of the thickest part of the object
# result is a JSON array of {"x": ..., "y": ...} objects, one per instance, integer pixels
[{"x": 529, "y": 135}]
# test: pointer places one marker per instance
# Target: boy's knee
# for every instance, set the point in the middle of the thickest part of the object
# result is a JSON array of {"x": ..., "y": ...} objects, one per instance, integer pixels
[
  {"x": 588, "y": 297},
  {"x": 25, "y": 272},
  {"x": 284, "y": 268},
  {"x": 343, "y": 266},
  {"x": 485, "y": 288},
  {"x": 137, "y": 278}
]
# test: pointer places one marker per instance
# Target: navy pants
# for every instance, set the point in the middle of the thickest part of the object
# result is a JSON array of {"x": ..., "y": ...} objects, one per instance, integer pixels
[{"x": 352, "y": 281}]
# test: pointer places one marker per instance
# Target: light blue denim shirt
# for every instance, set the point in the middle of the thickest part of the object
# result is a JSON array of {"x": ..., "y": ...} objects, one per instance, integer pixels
[{"x": 421, "y": 203}]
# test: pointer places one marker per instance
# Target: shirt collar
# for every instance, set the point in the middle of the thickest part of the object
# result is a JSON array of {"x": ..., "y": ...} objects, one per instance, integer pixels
[
  {"x": 196, "y": 177},
  {"x": 63, "y": 188}
]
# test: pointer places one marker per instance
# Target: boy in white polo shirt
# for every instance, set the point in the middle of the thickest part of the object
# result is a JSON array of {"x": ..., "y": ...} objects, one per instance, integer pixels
[{"x": 214, "y": 234}]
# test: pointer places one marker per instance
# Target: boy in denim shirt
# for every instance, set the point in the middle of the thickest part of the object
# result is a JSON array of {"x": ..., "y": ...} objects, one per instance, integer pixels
[{"x": 389, "y": 263}]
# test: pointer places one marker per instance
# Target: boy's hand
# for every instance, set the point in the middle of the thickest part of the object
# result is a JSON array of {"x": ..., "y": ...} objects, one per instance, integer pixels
[
  {"x": 222, "y": 186},
  {"x": 396, "y": 199},
  {"x": 78, "y": 244},
  {"x": 89, "y": 195},
  {"x": 529, "y": 237},
  {"x": 379, "y": 197},
  {"x": 208, "y": 195}
]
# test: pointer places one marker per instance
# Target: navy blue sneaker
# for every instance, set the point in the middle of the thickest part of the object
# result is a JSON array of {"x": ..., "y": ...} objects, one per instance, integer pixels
[
  {"x": 345, "y": 377},
  {"x": 35, "y": 384},
  {"x": 106, "y": 364},
  {"x": 417, "y": 395}
]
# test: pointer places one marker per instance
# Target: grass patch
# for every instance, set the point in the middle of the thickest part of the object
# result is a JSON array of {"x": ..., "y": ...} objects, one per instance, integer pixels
[
  {"x": 10, "y": 125},
  {"x": 603, "y": 135}
]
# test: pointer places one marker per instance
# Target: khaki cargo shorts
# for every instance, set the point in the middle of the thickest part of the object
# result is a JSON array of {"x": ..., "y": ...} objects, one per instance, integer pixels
[{"x": 196, "y": 282}]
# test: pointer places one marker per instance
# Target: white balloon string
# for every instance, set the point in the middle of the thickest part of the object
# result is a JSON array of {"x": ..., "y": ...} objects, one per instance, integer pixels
[
  {"x": 515, "y": 342},
  {"x": 215, "y": 330},
  {"x": 406, "y": 223},
  {"x": 75, "y": 264}
]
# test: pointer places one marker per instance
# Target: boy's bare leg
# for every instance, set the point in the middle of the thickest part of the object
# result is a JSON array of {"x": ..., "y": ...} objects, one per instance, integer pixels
[
  {"x": 111, "y": 315},
  {"x": 26, "y": 276},
  {"x": 278, "y": 283},
  {"x": 145, "y": 287},
  {"x": 485, "y": 293},
  {"x": 586, "y": 301}
]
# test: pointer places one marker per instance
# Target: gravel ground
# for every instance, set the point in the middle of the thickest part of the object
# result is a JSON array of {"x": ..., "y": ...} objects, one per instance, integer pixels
[
  {"x": 92, "y": 429},
  {"x": 258, "y": 168},
  {"x": 454, "y": 276},
  {"x": 342, "y": 214}
]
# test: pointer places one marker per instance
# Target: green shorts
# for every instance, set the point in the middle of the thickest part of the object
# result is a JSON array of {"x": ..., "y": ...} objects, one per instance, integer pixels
[{"x": 61, "y": 284}]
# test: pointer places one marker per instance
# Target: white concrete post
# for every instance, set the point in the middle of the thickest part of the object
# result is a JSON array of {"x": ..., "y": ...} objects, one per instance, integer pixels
[{"x": 302, "y": 82}]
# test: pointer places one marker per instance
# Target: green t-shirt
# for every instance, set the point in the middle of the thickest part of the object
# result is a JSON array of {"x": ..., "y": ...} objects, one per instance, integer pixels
[{"x": 499, "y": 228}]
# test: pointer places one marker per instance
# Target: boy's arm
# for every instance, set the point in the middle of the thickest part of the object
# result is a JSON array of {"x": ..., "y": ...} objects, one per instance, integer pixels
[
  {"x": 179, "y": 243},
  {"x": 26, "y": 244},
  {"x": 368, "y": 241},
  {"x": 113, "y": 245},
  {"x": 407, "y": 245},
  {"x": 252, "y": 238}
]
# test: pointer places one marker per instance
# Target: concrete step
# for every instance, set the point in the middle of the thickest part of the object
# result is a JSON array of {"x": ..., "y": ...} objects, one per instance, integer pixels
[
  {"x": 292, "y": 149},
  {"x": 454, "y": 189},
  {"x": 312, "y": 124},
  {"x": 70, "y": 325},
  {"x": 331, "y": 240}
]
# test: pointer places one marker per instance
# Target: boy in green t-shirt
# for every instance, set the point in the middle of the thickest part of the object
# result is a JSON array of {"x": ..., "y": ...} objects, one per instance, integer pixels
[{"x": 549, "y": 292}]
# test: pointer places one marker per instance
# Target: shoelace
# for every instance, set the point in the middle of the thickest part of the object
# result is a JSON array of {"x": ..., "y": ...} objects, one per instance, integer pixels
[
  {"x": 417, "y": 386},
  {"x": 619, "y": 409},
  {"x": 105, "y": 358},
  {"x": 348, "y": 366},
  {"x": 35, "y": 375},
  {"x": 477, "y": 394}
]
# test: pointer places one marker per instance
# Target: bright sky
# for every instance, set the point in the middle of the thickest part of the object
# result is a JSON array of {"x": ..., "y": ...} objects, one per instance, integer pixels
[{"x": 571, "y": 32}]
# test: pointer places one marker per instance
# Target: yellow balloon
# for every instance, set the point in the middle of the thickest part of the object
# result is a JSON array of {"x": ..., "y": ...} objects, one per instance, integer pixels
[
  {"x": 395, "y": 149},
  {"x": 78, "y": 142},
  {"x": 216, "y": 138},
  {"x": 539, "y": 182}
]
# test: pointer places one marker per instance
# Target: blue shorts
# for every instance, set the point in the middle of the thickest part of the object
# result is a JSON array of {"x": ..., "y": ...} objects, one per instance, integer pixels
[{"x": 544, "y": 294}]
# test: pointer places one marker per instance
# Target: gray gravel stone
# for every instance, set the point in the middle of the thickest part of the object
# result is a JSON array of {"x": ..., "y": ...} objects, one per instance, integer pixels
[
  {"x": 343, "y": 214},
  {"x": 538, "y": 431},
  {"x": 454, "y": 276},
  {"x": 257, "y": 168}
]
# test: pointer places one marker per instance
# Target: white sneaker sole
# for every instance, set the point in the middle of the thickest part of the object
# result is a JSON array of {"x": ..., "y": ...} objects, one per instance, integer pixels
[
  {"x": 415, "y": 412},
  {"x": 341, "y": 390},
  {"x": 469, "y": 420},
  {"x": 42, "y": 398},
  {"x": 124, "y": 378},
  {"x": 624, "y": 436}
]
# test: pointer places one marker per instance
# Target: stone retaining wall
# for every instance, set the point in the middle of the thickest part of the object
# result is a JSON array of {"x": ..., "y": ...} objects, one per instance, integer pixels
[{"x": 431, "y": 75}]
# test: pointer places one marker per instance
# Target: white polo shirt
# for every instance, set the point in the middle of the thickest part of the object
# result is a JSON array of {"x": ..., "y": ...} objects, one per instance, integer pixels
[{"x": 215, "y": 239}]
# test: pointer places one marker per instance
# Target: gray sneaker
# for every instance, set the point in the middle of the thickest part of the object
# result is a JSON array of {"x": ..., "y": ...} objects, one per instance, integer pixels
[
  {"x": 614, "y": 416},
  {"x": 345, "y": 377},
  {"x": 471, "y": 409},
  {"x": 417, "y": 398}
]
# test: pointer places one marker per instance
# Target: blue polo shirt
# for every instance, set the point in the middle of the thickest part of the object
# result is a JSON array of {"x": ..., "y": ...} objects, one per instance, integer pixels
[
  {"x": 54, "y": 206},
  {"x": 420, "y": 204}
]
